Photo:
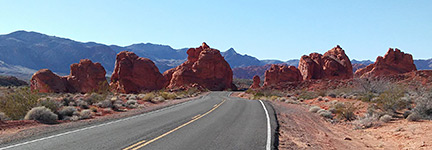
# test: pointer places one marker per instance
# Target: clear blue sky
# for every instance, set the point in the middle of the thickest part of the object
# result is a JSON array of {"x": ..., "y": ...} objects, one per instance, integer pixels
[{"x": 264, "y": 29}]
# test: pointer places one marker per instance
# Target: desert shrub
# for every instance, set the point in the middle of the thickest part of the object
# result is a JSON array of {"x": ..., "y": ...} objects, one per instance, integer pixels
[
  {"x": 104, "y": 88},
  {"x": 95, "y": 98},
  {"x": 413, "y": 117},
  {"x": 158, "y": 99},
  {"x": 344, "y": 111},
  {"x": 324, "y": 113},
  {"x": 149, "y": 96},
  {"x": 16, "y": 104},
  {"x": 367, "y": 121},
  {"x": 314, "y": 109},
  {"x": 106, "y": 104},
  {"x": 322, "y": 93},
  {"x": 423, "y": 105},
  {"x": 83, "y": 104},
  {"x": 167, "y": 95},
  {"x": 67, "y": 111},
  {"x": 308, "y": 95},
  {"x": 367, "y": 97},
  {"x": 392, "y": 99},
  {"x": 86, "y": 114},
  {"x": 49, "y": 103},
  {"x": 385, "y": 118},
  {"x": 67, "y": 100},
  {"x": 131, "y": 104},
  {"x": 372, "y": 85},
  {"x": 3, "y": 116},
  {"x": 41, "y": 114},
  {"x": 332, "y": 95}
]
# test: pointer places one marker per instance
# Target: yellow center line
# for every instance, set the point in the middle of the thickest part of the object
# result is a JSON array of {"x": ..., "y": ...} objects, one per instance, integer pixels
[
  {"x": 127, "y": 148},
  {"x": 196, "y": 116},
  {"x": 175, "y": 129}
]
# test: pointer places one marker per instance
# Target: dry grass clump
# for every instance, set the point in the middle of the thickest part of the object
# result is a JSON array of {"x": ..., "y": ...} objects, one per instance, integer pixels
[
  {"x": 41, "y": 114},
  {"x": 344, "y": 111},
  {"x": 368, "y": 121},
  {"x": 149, "y": 96},
  {"x": 49, "y": 103}
]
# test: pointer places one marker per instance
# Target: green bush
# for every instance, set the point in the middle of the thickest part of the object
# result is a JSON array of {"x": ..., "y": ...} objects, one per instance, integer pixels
[
  {"x": 16, "y": 104},
  {"x": 41, "y": 114},
  {"x": 95, "y": 98}
]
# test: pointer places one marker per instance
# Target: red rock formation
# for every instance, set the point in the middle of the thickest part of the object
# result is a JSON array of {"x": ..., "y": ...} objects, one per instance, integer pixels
[
  {"x": 311, "y": 66},
  {"x": 279, "y": 75},
  {"x": 46, "y": 81},
  {"x": 393, "y": 62},
  {"x": 85, "y": 77},
  {"x": 133, "y": 74},
  {"x": 205, "y": 66},
  {"x": 256, "y": 82},
  {"x": 334, "y": 64}
]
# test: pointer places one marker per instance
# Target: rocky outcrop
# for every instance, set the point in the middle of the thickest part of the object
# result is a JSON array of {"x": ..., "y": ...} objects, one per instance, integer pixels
[
  {"x": 256, "y": 82},
  {"x": 278, "y": 75},
  {"x": 205, "y": 67},
  {"x": 334, "y": 64},
  {"x": 133, "y": 74},
  {"x": 87, "y": 76},
  {"x": 84, "y": 77},
  {"x": 46, "y": 81},
  {"x": 394, "y": 62}
]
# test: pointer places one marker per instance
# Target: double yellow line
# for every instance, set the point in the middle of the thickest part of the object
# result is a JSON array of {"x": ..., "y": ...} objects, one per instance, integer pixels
[{"x": 143, "y": 143}]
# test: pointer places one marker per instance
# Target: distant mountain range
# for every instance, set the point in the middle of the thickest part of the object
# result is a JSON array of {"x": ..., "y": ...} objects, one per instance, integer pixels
[{"x": 23, "y": 53}]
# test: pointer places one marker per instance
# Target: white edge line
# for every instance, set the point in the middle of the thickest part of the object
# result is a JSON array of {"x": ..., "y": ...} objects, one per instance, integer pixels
[
  {"x": 86, "y": 128},
  {"x": 268, "y": 127}
]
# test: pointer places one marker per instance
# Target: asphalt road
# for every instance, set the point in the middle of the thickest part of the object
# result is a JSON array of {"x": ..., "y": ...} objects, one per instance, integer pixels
[{"x": 215, "y": 121}]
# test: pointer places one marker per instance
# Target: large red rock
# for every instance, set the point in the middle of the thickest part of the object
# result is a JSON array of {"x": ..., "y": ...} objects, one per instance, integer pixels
[
  {"x": 46, "y": 81},
  {"x": 204, "y": 67},
  {"x": 393, "y": 62},
  {"x": 87, "y": 76},
  {"x": 279, "y": 75},
  {"x": 334, "y": 64},
  {"x": 256, "y": 82},
  {"x": 133, "y": 74},
  {"x": 84, "y": 77},
  {"x": 311, "y": 66}
]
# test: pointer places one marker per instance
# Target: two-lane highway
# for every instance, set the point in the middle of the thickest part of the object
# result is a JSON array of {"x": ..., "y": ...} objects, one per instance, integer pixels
[{"x": 215, "y": 121}]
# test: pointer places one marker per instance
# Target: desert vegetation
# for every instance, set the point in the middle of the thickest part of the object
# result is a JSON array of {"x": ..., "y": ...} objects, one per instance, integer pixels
[
  {"x": 362, "y": 102},
  {"x": 21, "y": 103}
]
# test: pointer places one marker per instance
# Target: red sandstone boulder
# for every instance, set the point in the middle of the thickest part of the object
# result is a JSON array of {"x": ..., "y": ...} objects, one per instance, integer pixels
[
  {"x": 393, "y": 62},
  {"x": 84, "y": 77},
  {"x": 334, "y": 64},
  {"x": 133, "y": 74},
  {"x": 46, "y": 81},
  {"x": 256, "y": 82},
  {"x": 311, "y": 66},
  {"x": 205, "y": 67},
  {"x": 279, "y": 75},
  {"x": 87, "y": 76}
]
